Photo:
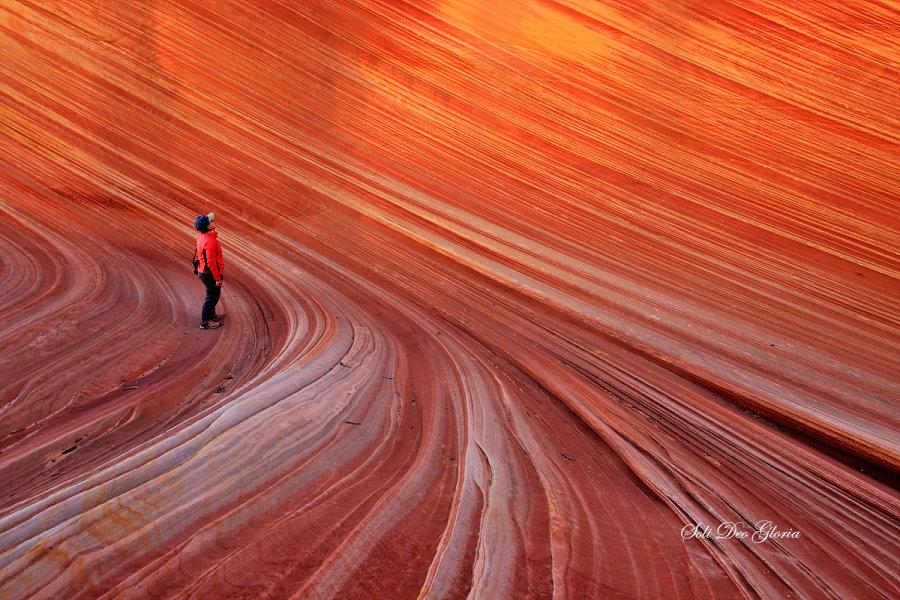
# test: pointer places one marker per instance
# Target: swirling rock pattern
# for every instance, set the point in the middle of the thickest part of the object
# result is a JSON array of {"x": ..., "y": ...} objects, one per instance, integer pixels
[{"x": 516, "y": 292}]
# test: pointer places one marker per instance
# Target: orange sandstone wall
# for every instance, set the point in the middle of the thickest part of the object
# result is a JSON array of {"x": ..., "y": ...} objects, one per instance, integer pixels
[{"x": 516, "y": 292}]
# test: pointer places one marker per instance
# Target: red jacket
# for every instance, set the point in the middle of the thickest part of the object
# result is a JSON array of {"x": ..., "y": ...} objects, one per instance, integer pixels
[{"x": 209, "y": 253}]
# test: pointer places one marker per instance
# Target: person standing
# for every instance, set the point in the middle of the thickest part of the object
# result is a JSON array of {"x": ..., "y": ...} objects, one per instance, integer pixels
[{"x": 208, "y": 266}]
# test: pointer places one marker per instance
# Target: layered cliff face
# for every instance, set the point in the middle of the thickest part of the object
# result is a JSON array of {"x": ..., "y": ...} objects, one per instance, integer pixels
[{"x": 521, "y": 298}]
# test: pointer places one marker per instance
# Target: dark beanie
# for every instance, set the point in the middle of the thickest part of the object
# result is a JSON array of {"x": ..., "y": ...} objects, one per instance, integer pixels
[{"x": 201, "y": 223}]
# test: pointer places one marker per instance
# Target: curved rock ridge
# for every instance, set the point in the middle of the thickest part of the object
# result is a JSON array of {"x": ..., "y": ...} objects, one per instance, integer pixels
[{"x": 528, "y": 299}]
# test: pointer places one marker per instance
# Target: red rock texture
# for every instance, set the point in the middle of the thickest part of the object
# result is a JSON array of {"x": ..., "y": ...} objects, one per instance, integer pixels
[{"x": 516, "y": 292}]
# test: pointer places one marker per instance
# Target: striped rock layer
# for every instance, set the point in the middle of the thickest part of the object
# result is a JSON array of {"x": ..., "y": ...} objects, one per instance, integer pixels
[{"x": 521, "y": 297}]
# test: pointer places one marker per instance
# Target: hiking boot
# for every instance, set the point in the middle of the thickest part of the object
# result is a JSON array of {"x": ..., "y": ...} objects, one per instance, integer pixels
[
  {"x": 210, "y": 324},
  {"x": 218, "y": 318}
]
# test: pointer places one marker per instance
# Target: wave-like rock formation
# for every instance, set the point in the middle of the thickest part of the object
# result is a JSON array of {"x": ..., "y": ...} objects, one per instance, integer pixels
[{"x": 521, "y": 298}]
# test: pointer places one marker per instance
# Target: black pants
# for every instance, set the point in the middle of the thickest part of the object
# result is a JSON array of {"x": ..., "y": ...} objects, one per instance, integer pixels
[{"x": 212, "y": 296}]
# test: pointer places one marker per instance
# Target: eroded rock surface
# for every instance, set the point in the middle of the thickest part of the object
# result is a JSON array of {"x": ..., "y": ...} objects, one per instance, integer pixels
[{"x": 516, "y": 292}]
